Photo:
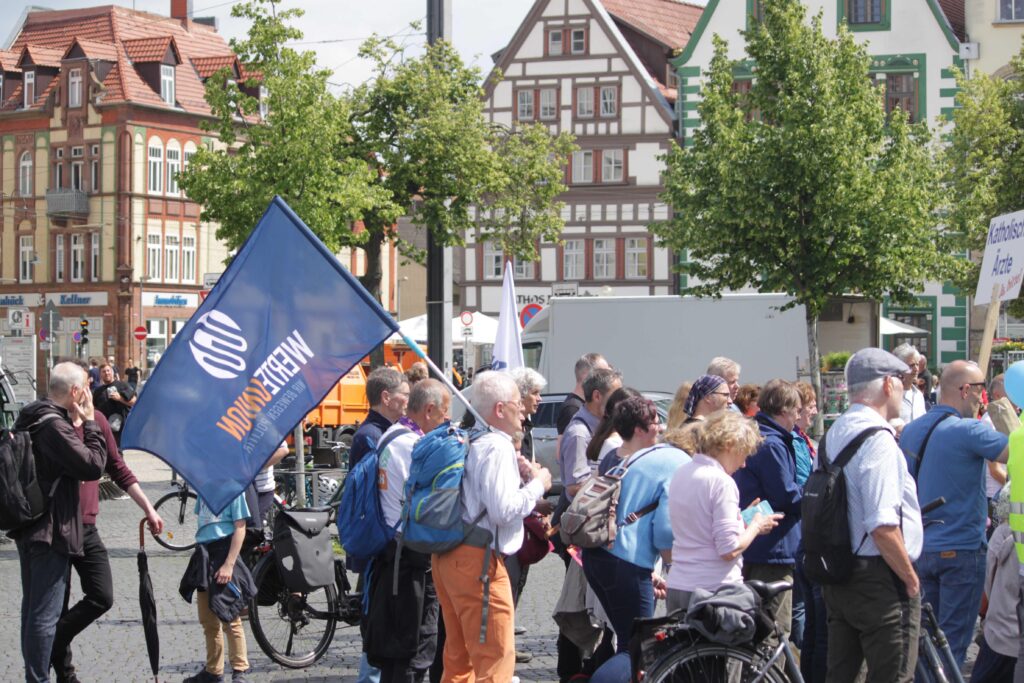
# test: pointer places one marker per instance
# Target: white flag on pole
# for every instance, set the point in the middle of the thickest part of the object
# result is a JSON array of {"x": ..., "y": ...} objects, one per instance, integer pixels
[{"x": 508, "y": 346}]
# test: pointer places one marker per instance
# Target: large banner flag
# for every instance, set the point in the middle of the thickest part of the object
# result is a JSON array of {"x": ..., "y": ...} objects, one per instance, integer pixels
[
  {"x": 508, "y": 345},
  {"x": 283, "y": 324}
]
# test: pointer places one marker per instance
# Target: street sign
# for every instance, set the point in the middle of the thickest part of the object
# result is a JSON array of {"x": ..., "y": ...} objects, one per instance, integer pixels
[
  {"x": 528, "y": 311},
  {"x": 44, "y": 346},
  {"x": 44, "y": 334},
  {"x": 203, "y": 293},
  {"x": 565, "y": 289},
  {"x": 466, "y": 317},
  {"x": 51, "y": 315},
  {"x": 467, "y": 331},
  {"x": 140, "y": 333},
  {"x": 77, "y": 336},
  {"x": 210, "y": 279}
]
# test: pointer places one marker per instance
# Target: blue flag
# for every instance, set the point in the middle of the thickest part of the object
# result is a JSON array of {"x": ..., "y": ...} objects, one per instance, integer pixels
[{"x": 283, "y": 324}]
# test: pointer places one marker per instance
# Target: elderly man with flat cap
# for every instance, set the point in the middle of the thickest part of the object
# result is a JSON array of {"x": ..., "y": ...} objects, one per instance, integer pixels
[{"x": 875, "y": 616}]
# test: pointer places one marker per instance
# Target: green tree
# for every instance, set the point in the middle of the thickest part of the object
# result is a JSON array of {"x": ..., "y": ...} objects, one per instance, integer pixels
[
  {"x": 801, "y": 185},
  {"x": 984, "y": 165}
]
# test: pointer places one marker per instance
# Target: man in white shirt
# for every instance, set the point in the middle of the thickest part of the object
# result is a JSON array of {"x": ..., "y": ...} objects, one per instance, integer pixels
[
  {"x": 400, "y": 635},
  {"x": 491, "y": 489},
  {"x": 875, "y": 615},
  {"x": 913, "y": 405}
]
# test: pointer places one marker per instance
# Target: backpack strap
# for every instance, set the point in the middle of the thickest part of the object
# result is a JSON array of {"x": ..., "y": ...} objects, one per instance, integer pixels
[
  {"x": 924, "y": 447},
  {"x": 650, "y": 507},
  {"x": 49, "y": 417},
  {"x": 845, "y": 455},
  {"x": 384, "y": 443}
]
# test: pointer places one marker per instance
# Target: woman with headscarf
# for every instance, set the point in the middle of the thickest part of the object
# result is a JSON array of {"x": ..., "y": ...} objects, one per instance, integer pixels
[{"x": 708, "y": 395}]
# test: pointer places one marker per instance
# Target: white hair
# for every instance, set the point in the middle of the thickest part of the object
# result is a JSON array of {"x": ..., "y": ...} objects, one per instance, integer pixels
[
  {"x": 867, "y": 392},
  {"x": 907, "y": 353},
  {"x": 63, "y": 377},
  {"x": 528, "y": 380},
  {"x": 489, "y": 388},
  {"x": 720, "y": 365}
]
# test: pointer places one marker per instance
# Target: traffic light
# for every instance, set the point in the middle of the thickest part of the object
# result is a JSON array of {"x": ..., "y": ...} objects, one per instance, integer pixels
[{"x": 83, "y": 333}]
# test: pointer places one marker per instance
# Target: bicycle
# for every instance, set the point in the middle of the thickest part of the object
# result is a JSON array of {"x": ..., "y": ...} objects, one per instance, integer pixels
[
  {"x": 295, "y": 629},
  {"x": 178, "y": 510}
]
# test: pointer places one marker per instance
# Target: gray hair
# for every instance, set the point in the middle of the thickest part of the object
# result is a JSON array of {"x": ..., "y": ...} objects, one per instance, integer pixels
[
  {"x": 489, "y": 388},
  {"x": 720, "y": 365},
  {"x": 63, "y": 377},
  {"x": 600, "y": 380},
  {"x": 907, "y": 353},
  {"x": 426, "y": 392},
  {"x": 381, "y": 380},
  {"x": 585, "y": 364},
  {"x": 528, "y": 380},
  {"x": 867, "y": 392}
]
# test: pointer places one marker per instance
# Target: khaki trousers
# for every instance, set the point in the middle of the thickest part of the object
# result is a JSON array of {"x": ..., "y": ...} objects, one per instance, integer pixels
[
  {"x": 460, "y": 592},
  {"x": 212, "y": 629}
]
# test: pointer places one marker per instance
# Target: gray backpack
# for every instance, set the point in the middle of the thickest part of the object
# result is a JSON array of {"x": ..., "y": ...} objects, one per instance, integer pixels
[{"x": 590, "y": 521}]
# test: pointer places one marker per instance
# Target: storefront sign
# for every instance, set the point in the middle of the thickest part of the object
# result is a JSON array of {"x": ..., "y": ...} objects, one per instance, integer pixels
[
  {"x": 170, "y": 299},
  {"x": 20, "y": 300},
  {"x": 78, "y": 298}
]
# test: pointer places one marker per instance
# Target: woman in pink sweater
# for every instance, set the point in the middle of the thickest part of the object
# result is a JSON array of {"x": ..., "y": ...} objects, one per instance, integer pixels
[{"x": 704, "y": 508}]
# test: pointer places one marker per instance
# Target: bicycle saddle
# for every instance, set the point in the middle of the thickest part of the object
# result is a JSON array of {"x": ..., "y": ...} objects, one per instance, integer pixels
[{"x": 767, "y": 591}]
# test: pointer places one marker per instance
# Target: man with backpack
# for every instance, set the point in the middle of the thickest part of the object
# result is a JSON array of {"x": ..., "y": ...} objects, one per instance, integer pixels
[
  {"x": 45, "y": 546},
  {"x": 874, "y": 614},
  {"x": 400, "y": 634},
  {"x": 478, "y": 620}
]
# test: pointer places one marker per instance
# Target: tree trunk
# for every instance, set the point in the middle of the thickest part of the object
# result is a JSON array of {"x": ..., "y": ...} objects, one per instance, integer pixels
[
  {"x": 371, "y": 280},
  {"x": 814, "y": 361}
]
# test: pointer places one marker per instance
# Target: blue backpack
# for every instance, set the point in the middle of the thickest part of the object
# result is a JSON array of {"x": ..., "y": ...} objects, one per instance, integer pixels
[{"x": 362, "y": 530}]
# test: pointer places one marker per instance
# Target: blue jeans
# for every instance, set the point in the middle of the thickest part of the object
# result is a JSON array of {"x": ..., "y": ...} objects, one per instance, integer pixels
[
  {"x": 44, "y": 578},
  {"x": 624, "y": 589},
  {"x": 367, "y": 673},
  {"x": 953, "y": 585}
]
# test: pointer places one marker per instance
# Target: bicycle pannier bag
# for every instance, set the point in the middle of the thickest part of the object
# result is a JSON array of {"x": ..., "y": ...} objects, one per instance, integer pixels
[
  {"x": 302, "y": 548},
  {"x": 825, "y": 526},
  {"x": 22, "y": 499}
]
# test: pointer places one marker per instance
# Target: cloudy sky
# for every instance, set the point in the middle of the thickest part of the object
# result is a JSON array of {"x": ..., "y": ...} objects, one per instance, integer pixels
[{"x": 334, "y": 28}]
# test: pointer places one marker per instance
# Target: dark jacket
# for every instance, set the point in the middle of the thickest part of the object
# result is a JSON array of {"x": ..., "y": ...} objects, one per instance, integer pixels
[
  {"x": 366, "y": 437},
  {"x": 770, "y": 474},
  {"x": 61, "y": 455},
  {"x": 570, "y": 406},
  {"x": 206, "y": 559},
  {"x": 401, "y": 626}
]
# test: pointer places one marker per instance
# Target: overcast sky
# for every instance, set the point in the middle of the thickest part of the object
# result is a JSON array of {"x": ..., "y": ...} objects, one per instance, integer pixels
[{"x": 479, "y": 27}]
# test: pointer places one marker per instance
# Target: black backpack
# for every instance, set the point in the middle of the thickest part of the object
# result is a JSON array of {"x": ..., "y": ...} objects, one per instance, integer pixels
[
  {"x": 22, "y": 499},
  {"x": 825, "y": 526}
]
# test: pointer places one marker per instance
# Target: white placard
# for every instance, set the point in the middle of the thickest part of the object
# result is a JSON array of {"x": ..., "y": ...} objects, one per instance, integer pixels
[
  {"x": 19, "y": 357},
  {"x": 565, "y": 289},
  {"x": 1003, "y": 263}
]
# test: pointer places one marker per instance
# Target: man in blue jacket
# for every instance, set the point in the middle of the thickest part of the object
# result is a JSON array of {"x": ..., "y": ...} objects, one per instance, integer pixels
[{"x": 770, "y": 475}]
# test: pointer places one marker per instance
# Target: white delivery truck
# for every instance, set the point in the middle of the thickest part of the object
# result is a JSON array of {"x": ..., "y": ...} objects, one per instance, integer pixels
[{"x": 658, "y": 342}]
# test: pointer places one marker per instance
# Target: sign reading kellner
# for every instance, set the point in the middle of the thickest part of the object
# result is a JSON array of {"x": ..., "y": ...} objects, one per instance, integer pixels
[{"x": 1003, "y": 263}]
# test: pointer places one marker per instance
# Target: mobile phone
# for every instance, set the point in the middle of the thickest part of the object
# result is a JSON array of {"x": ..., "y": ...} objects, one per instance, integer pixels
[{"x": 763, "y": 507}]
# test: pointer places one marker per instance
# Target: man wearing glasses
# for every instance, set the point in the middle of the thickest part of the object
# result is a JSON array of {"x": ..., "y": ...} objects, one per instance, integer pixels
[
  {"x": 913, "y": 405},
  {"x": 947, "y": 451}
]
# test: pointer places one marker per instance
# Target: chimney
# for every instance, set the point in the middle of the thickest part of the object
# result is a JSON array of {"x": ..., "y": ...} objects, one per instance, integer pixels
[{"x": 181, "y": 9}]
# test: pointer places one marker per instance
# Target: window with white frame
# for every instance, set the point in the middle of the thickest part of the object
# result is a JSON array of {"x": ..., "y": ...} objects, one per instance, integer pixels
[
  {"x": 604, "y": 259},
  {"x": 77, "y": 167},
  {"x": 611, "y": 166},
  {"x": 29, "y": 89},
  {"x": 59, "y": 153},
  {"x": 493, "y": 259},
  {"x": 1011, "y": 10},
  {"x": 523, "y": 270},
  {"x": 156, "y": 167},
  {"x": 583, "y": 166},
  {"x": 173, "y": 168},
  {"x": 58, "y": 175},
  {"x": 25, "y": 175},
  {"x": 188, "y": 258},
  {"x": 173, "y": 256},
  {"x": 77, "y": 152},
  {"x": 609, "y": 100},
  {"x": 58, "y": 266},
  {"x": 525, "y": 108},
  {"x": 573, "y": 265},
  {"x": 585, "y": 102},
  {"x": 579, "y": 41},
  {"x": 26, "y": 257},
  {"x": 555, "y": 42},
  {"x": 94, "y": 256},
  {"x": 75, "y": 88},
  {"x": 548, "y": 103},
  {"x": 94, "y": 150},
  {"x": 77, "y": 257},
  {"x": 94, "y": 175},
  {"x": 167, "y": 83},
  {"x": 153, "y": 255},
  {"x": 636, "y": 258}
]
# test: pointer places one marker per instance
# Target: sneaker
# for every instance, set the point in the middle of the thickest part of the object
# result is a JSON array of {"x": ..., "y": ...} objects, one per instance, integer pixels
[
  {"x": 239, "y": 677},
  {"x": 205, "y": 676},
  {"x": 523, "y": 657}
]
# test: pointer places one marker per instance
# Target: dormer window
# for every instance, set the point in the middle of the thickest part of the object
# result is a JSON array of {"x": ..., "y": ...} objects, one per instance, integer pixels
[
  {"x": 167, "y": 83},
  {"x": 30, "y": 89},
  {"x": 555, "y": 43},
  {"x": 75, "y": 88}
]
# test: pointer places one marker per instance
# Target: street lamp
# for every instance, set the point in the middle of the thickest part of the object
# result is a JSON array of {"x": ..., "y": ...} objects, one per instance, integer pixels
[{"x": 398, "y": 295}]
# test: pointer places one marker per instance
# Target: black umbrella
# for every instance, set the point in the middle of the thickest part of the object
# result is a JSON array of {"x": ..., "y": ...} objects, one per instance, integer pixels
[{"x": 148, "y": 604}]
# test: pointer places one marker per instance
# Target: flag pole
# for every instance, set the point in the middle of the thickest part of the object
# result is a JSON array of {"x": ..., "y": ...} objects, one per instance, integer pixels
[{"x": 444, "y": 378}]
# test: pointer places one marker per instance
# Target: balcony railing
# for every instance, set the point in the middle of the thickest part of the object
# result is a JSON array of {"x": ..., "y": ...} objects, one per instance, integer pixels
[{"x": 67, "y": 202}]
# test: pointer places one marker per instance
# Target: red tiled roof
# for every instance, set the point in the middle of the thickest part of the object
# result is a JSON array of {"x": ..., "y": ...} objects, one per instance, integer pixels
[
  {"x": 9, "y": 60},
  {"x": 42, "y": 56},
  {"x": 954, "y": 11},
  {"x": 94, "y": 49},
  {"x": 148, "y": 49},
  {"x": 207, "y": 66},
  {"x": 670, "y": 22}
]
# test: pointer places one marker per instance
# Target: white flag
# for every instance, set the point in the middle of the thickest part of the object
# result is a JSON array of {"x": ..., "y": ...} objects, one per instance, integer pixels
[{"x": 508, "y": 346}]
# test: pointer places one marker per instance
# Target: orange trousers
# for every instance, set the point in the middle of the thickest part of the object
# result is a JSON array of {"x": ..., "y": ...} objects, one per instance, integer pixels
[{"x": 460, "y": 592}]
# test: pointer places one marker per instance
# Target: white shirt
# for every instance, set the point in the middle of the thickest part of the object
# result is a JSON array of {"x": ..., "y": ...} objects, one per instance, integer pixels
[
  {"x": 491, "y": 483},
  {"x": 393, "y": 470},
  {"x": 879, "y": 489},
  {"x": 264, "y": 480},
  {"x": 912, "y": 406},
  {"x": 992, "y": 487}
]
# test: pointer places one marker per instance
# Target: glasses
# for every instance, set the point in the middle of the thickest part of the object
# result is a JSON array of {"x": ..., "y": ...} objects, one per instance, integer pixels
[{"x": 973, "y": 385}]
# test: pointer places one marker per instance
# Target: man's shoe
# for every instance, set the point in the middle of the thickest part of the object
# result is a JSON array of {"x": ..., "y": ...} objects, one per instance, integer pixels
[
  {"x": 205, "y": 676},
  {"x": 68, "y": 678},
  {"x": 239, "y": 677},
  {"x": 523, "y": 657}
]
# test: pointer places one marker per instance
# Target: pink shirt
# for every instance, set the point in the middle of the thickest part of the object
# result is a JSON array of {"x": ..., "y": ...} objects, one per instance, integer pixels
[{"x": 704, "y": 508}]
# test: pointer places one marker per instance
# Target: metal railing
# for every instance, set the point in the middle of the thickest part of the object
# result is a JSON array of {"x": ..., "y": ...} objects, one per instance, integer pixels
[{"x": 67, "y": 202}]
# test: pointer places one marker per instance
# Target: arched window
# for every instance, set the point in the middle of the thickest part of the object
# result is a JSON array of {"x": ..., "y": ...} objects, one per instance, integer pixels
[
  {"x": 25, "y": 179},
  {"x": 173, "y": 166},
  {"x": 156, "y": 166}
]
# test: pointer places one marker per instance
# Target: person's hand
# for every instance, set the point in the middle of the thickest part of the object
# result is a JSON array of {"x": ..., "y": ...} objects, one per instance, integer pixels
[
  {"x": 83, "y": 407},
  {"x": 154, "y": 521},
  {"x": 766, "y": 523},
  {"x": 660, "y": 587},
  {"x": 525, "y": 469},
  {"x": 544, "y": 476},
  {"x": 223, "y": 574},
  {"x": 115, "y": 395},
  {"x": 544, "y": 507},
  {"x": 914, "y": 587},
  {"x": 753, "y": 503}
]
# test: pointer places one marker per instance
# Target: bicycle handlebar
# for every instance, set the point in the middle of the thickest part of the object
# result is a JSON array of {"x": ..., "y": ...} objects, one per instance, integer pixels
[{"x": 933, "y": 505}]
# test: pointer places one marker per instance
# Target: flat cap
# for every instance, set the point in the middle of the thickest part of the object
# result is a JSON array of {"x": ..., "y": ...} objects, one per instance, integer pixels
[{"x": 872, "y": 363}]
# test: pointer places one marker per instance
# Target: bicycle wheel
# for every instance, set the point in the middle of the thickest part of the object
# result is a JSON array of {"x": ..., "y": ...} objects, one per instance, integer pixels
[
  {"x": 178, "y": 510},
  {"x": 709, "y": 663},
  {"x": 293, "y": 629}
]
